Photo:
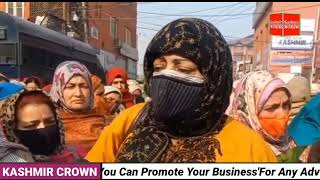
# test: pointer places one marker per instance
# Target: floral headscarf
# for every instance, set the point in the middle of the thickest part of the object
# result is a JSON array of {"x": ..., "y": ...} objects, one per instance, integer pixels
[
  {"x": 64, "y": 72},
  {"x": 251, "y": 93},
  {"x": 201, "y": 42},
  {"x": 7, "y": 119}
]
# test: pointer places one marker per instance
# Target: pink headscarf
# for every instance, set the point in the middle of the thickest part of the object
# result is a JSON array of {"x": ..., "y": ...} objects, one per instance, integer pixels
[
  {"x": 62, "y": 75},
  {"x": 251, "y": 93}
]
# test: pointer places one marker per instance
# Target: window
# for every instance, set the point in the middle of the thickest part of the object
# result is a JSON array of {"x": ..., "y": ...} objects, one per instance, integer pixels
[
  {"x": 94, "y": 32},
  {"x": 7, "y": 54},
  {"x": 237, "y": 58},
  {"x": 128, "y": 39},
  {"x": 113, "y": 27},
  {"x": 15, "y": 8}
]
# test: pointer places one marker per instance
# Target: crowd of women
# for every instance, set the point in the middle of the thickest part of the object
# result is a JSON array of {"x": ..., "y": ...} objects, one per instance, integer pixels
[{"x": 196, "y": 112}]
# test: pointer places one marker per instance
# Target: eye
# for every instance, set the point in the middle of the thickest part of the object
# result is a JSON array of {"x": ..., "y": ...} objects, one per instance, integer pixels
[
  {"x": 286, "y": 105},
  {"x": 186, "y": 71},
  {"x": 272, "y": 108},
  {"x": 84, "y": 86},
  {"x": 157, "y": 68},
  {"x": 69, "y": 86},
  {"x": 30, "y": 126}
]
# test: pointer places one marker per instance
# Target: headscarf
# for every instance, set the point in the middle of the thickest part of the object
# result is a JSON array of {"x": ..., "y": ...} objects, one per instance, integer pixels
[
  {"x": 199, "y": 117},
  {"x": 201, "y": 42},
  {"x": 4, "y": 77},
  {"x": 251, "y": 93},
  {"x": 18, "y": 82},
  {"x": 134, "y": 87},
  {"x": 100, "y": 104},
  {"x": 8, "y": 89},
  {"x": 7, "y": 118},
  {"x": 305, "y": 127},
  {"x": 8, "y": 148},
  {"x": 114, "y": 72},
  {"x": 37, "y": 79},
  {"x": 62, "y": 75},
  {"x": 127, "y": 98},
  {"x": 47, "y": 88},
  {"x": 110, "y": 89},
  {"x": 88, "y": 125},
  {"x": 96, "y": 81}
]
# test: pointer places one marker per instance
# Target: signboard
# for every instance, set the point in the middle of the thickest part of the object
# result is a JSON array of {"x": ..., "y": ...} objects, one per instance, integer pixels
[
  {"x": 303, "y": 42},
  {"x": 293, "y": 58},
  {"x": 296, "y": 69},
  {"x": 307, "y": 25},
  {"x": 282, "y": 24}
]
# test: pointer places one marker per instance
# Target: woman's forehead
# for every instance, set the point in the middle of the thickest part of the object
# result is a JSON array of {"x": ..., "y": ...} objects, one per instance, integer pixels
[
  {"x": 278, "y": 96},
  {"x": 77, "y": 79}
]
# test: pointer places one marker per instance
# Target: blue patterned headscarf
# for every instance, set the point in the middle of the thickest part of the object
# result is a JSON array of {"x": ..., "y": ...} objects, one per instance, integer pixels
[{"x": 305, "y": 127}]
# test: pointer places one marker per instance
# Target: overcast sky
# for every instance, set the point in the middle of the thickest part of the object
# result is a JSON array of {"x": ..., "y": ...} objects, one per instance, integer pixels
[{"x": 152, "y": 17}]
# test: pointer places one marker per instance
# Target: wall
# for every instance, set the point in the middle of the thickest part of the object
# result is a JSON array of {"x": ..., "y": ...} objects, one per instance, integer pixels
[
  {"x": 98, "y": 16},
  {"x": 262, "y": 32},
  {"x": 26, "y": 9}
]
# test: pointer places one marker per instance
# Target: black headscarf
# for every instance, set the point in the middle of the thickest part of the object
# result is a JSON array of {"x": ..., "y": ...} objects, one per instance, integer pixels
[{"x": 201, "y": 42}]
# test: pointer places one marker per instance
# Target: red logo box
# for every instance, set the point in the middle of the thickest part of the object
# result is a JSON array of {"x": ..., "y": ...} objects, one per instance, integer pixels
[
  {"x": 276, "y": 24},
  {"x": 285, "y": 24},
  {"x": 291, "y": 24}
]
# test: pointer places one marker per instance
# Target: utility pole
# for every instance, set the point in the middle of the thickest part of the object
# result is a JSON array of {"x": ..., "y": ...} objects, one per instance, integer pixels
[
  {"x": 85, "y": 25},
  {"x": 64, "y": 16},
  {"x": 315, "y": 48}
]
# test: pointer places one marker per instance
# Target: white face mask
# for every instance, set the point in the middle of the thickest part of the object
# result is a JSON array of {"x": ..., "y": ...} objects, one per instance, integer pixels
[{"x": 179, "y": 75}]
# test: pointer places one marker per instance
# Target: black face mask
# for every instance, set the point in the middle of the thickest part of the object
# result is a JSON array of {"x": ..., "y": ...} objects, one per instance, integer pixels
[
  {"x": 42, "y": 141},
  {"x": 174, "y": 102}
]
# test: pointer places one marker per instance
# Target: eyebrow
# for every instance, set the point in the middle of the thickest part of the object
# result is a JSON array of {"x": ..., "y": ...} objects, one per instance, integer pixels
[
  {"x": 275, "y": 104},
  {"x": 74, "y": 84},
  {"x": 31, "y": 122},
  {"x": 175, "y": 61},
  {"x": 118, "y": 81},
  {"x": 50, "y": 117},
  {"x": 162, "y": 59}
]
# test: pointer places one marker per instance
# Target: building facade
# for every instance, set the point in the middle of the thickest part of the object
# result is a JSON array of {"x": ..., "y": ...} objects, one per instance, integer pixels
[
  {"x": 112, "y": 29},
  {"x": 274, "y": 53},
  {"x": 243, "y": 53},
  {"x": 20, "y": 9},
  {"x": 107, "y": 26}
]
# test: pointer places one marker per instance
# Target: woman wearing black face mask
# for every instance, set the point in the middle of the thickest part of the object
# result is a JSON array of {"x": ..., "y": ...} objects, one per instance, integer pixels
[
  {"x": 188, "y": 71},
  {"x": 30, "y": 119}
]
